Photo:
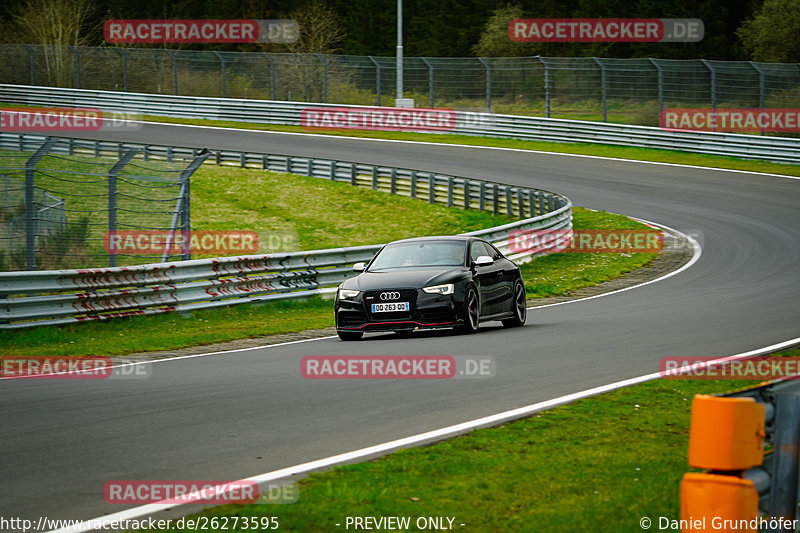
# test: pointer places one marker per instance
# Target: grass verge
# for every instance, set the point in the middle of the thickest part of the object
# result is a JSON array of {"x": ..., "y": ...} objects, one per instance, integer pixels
[
  {"x": 552, "y": 275},
  {"x": 598, "y": 464}
]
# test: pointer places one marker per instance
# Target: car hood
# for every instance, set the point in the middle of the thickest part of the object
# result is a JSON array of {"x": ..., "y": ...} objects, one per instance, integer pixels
[{"x": 404, "y": 278}]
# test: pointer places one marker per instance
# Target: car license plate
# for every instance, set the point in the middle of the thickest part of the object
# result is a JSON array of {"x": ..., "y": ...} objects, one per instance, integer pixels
[{"x": 388, "y": 308}]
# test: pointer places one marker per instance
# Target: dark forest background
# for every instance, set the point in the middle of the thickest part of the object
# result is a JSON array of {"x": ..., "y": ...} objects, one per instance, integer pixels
[{"x": 764, "y": 30}]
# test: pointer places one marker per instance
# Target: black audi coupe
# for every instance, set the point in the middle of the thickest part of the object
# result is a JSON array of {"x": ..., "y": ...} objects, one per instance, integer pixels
[{"x": 430, "y": 282}]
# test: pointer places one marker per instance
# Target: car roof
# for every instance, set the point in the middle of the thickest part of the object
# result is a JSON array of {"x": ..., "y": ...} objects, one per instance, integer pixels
[{"x": 458, "y": 238}]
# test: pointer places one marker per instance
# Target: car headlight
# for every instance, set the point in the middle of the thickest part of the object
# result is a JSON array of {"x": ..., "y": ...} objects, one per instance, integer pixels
[
  {"x": 440, "y": 289},
  {"x": 347, "y": 294}
]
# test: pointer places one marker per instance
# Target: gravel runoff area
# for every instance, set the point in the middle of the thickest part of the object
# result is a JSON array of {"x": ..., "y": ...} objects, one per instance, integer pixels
[{"x": 676, "y": 253}]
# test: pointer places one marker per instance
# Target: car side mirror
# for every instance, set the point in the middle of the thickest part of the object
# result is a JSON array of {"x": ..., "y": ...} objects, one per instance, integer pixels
[
  {"x": 483, "y": 260},
  {"x": 359, "y": 267}
]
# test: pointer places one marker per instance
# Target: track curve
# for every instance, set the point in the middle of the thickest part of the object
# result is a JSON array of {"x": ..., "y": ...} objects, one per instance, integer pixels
[{"x": 238, "y": 414}]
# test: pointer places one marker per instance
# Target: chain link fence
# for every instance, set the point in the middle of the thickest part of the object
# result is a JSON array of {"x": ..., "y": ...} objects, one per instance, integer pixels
[
  {"x": 631, "y": 91},
  {"x": 60, "y": 203}
]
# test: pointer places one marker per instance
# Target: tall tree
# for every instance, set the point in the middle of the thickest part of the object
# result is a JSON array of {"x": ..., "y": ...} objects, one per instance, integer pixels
[{"x": 772, "y": 34}]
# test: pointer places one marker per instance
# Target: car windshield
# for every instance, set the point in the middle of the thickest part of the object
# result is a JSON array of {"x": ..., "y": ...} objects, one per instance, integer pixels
[{"x": 421, "y": 254}]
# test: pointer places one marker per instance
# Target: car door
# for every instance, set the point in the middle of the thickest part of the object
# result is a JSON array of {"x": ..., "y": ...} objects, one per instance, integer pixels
[
  {"x": 509, "y": 274},
  {"x": 489, "y": 279}
]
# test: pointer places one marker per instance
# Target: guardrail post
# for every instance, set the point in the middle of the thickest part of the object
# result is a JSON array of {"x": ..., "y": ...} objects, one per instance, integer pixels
[
  {"x": 30, "y": 202},
  {"x": 33, "y": 63},
  {"x": 174, "y": 70},
  {"x": 353, "y": 174},
  {"x": 482, "y": 196},
  {"x": 124, "y": 69},
  {"x": 509, "y": 206},
  {"x": 393, "y": 181},
  {"x": 520, "y": 204},
  {"x": 495, "y": 199},
  {"x": 466, "y": 193},
  {"x": 413, "y": 184},
  {"x": 546, "y": 87},
  {"x": 431, "y": 188},
  {"x": 374, "y": 178},
  {"x": 449, "y": 191},
  {"x": 603, "y": 87},
  {"x": 377, "y": 78},
  {"x": 332, "y": 171},
  {"x": 786, "y": 452},
  {"x": 77, "y": 66},
  {"x": 488, "y": 84},
  {"x": 430, "y": 80},
  {"x": 222, "y": 71},
  {"x": 112, "y": 202},
  {"x": 532, "y": 203}
]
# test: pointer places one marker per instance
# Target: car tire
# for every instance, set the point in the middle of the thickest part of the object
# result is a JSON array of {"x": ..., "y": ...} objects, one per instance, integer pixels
[
  {"x": 350, "y": 335},
  {"x": 472, "y": 312},
  {"x": 519, "y": 307}
]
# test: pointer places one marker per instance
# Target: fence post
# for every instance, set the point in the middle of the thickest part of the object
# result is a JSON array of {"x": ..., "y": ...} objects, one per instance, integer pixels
[
  {"x": 174, "y": 70},
  {"x": 377, "y": 78},
  {"x": 124, "y": 69},
  {"x": 324, "y": 77},
  {"x": 271, "y": 74},
  {"x": 33, "y": 63},
  {"x": 713, "y": 86},
  {"x": 30, "y": 202},
  {"x": 603, "y": 87},
  {"x": 761, "y": 88},
  {"x": 546, "y": 87},
  {"x": 221, "y": 71},
  {"x": 488, "y": 84},
  {"x": 660, "y": 86},
  {"x": 77, "y": 66},
  {"x": 430, "y": 79},
  {"x": 112, "y": 201}
]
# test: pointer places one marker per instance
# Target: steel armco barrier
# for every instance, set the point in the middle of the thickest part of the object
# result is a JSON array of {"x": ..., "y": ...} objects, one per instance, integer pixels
[
  {"x": 775, "y": 149},
  {"x": 66, "y": 296}
]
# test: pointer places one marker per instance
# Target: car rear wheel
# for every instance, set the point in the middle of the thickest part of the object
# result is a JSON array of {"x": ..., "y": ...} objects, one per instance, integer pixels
[
  {"x": 472, "y": 312},
  {"x": 519, "y": 308},
  {"x": 350, "y": 335}
]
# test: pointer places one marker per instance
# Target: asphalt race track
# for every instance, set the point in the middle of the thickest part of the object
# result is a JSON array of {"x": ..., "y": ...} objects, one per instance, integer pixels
[{"x": 239, "y": 414}]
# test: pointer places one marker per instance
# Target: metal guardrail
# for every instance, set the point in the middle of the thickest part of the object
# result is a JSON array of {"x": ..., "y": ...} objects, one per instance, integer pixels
[
  {"x": 66, "y": 296},
  {"x": 778, "y": 479},
  {"x": 775, "y": 149}
]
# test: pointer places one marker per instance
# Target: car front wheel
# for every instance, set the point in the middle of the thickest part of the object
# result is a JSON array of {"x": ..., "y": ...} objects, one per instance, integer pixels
[{"x": 472, "y": 312}]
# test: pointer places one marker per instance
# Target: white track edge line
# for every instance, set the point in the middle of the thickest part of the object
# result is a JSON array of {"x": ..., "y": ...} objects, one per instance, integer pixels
[
  {"x": 504, "y": 416},
  {"x": 503, "y": 148}
]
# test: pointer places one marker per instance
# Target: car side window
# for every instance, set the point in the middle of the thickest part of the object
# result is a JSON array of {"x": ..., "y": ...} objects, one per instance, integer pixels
[
  {"x": 478, "y": 249},
  {"x": 496, "y": 254}
]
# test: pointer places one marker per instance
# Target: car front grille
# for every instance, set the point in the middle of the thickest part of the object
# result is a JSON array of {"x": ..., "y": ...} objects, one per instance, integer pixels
[{"x": 406, "y": 295}]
